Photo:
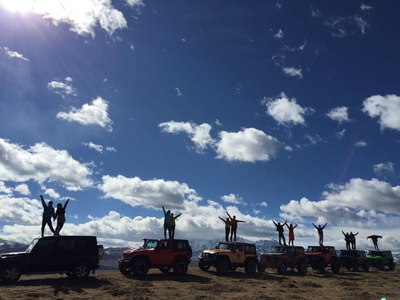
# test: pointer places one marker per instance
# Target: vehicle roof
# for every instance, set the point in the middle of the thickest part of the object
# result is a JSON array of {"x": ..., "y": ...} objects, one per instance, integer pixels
[
  {"x": 236, "y": 243},
  {"x": 177, "y": 240},
  {"x": 64, "y": 237}
]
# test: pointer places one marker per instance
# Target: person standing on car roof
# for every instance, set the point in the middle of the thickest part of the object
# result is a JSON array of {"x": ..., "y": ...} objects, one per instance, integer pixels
[
  {"x": 280, "y": 228},
  {"x": 347, "y": 240},
  {"x": 320, "y": 230},
  {"x": 48, "y": 213},
  {"x": 291, "y": 232},
  {"x": 374, "y": 239},
  {"x": 167, "y": 223},
  {"x": 352, "y": 237},
  {"x": 234, "y": 224},
  {"x": 227, "y": 228},
  {"x": 60, "y": 216},
  {"x": 171, "y": 231}
]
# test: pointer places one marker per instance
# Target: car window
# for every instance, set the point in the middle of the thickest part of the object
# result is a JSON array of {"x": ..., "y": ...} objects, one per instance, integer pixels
[
  {"x": 44, "y": 247},
  {"x": 250, "y": 249},
  {"x": 66, "y": 244},
  {"x": 239, "y": 248}
]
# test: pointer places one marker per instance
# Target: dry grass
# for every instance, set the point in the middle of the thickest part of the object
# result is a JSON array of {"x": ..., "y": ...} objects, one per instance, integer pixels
[{"x": 208, "y": 285}]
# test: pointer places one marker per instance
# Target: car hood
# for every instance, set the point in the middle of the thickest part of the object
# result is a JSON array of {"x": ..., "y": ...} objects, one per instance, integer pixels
[
  {"x": 314, "y": 253},
  {"x": 374, "y": 257},
  {"x": 272, "y": 254},
  {"x": 13, "y": 254},
  {"x": 137, "y": 251},
  {"x": 215, "y": 251}
]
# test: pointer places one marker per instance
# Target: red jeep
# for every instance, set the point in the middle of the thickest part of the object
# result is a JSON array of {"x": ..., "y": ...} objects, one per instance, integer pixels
[
  {"x": 283, "y": 257},
  {"x": 320, "y": 257},
  {"x": 162, "y": 254}
]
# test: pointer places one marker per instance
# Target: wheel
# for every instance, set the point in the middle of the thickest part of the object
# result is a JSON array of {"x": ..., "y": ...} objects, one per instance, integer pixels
[
  {"x": 380, "y": 265},
  {"x": 140, "y": 267},
  {"x": 180, "y": 266},
  {"x": 365, "y": 267},
  {"x": 125, "y": 269},
  {"x": 391, "y": 266},
  {"x": 165, "y": 269},
  {"x": 81, "y": 271},
  {"x": 232, "y": 268},
  {"x": 222, "y": 266},
  {"x": 302, "y": 268},
  {"x": 260, "y": 268},
  {"x": 203, "y": 266},
  {"x": 355, "y": 268},
  {"x": 282, "y": 268},
  {"x": 10, "y": 274},
  {"x": 250, "y": 266},
  {"x": 335, "y": 267}
]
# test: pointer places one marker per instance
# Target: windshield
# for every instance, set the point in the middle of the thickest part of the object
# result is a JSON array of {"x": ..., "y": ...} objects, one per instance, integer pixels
[
  {"x": 374, "y": 253},
  {"x": 278, "y": 249},
  {"x": 30, "y": 247},
  {"x": 224, "y": 246},
  {"x": 150, "y": 244}
]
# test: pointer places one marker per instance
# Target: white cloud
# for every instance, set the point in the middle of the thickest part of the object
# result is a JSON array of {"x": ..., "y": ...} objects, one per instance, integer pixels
[
  {"x": 339, "y": 114},
  {"x": 364, "y": 7},
  {"x": 340, "y": 134},
  {"x": 385, "y": 108},
  {"x": 13, "y": 54},
  {"x": 264, "y": 204},
  {"x": 342, "y": 27},
  {"x": 384, "y": 168},
  {"x": 52, "y": 193},
  {"x": 178, "y": 92},
  {"x": 42, "y": 163},
  {"x": 247, "y": 145},
  {"x": 148, "y": 193},
  {"x": 293, "y": 72},
  {"x": 83, "y": 16},
  {"x": 23, "y": 189},
  {"x": 232, "y": 198},
  {"x": 95, "y": 113},
  {"x": 360, "y": 144},
  {"x": 20, "y": 210},
  {"x": 279, "y": 34},
  {"x": 62, "y": 88},
  {"x": 199, "y": 134},
  {"x": 111, "y": 149},
  {"x": 286, "y": 111},
  {"x": 4, "y": 189},
  {"x": 99, "y": 148}
]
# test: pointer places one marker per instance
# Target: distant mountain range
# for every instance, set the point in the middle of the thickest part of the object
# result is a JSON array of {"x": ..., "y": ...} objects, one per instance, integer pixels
[{"x": 111, "y": 255}]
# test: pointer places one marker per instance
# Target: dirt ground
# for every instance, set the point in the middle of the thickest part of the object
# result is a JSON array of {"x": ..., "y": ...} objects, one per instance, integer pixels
[{"x": 208, "y": 285}]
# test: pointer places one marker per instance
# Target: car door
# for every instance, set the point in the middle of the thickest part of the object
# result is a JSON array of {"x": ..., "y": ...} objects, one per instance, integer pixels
[
  {"x": 65, "y": 254},
  {"x": 162, "y": 253},
  {"x": 42, "y": 256}
]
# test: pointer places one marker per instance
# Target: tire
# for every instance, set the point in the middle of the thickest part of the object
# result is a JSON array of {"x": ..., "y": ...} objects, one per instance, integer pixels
[
  {"x": 180, "y": 266},
  {"x": 391, "y": 266},
  {"x": 282, "y": 268},
  {"x": 222, "y": 265},
  {"x": 320, "y": 266},
  {"x": 140, "y": 267},
  {"x": 260, "y": 268},
  {"x": 365, "y": 267},
  {"x": 302, "y": 268},
  {"x": 81, "y": 271},
  {"x": 165, "y": 269},
  {"x": 203, "y": 266},
  {"x": 10, "y": 274},
  {"x": 125, "y": 269},
  {"x": 356, "y": 268},
  {"x": 232, "y": 268},
  {"x": 250, "y": 266},
  {"x": 335, "y": 267}
]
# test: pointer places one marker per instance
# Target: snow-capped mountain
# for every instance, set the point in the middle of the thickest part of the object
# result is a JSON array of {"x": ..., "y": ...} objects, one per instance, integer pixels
[{"x": 8, "y": 246}]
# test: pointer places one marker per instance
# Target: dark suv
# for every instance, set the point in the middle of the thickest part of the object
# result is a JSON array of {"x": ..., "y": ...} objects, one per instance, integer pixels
[
  {"x": 162, "y": 254},
  {"x": 353, "y": 260},
  {"x": 320, "y": 257},
  {"x": 283, "y": 257},
  {"x": 380, "y": 259},
  {"x": 74, "y": 255}
]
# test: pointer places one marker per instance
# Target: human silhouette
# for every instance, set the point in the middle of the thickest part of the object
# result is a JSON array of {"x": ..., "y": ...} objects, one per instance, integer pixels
[
  {"x": 291, "y": 232},
  {"x": 48, "y": 213},
  {"x": 227, "y": 228},
  {"x": 171, "y": 231},
  {"x": 280, "y": 229},
  {"x": 320, "y": 230},
  {"x": 374, "y": 239},
  {"x": 234, "y": 224},
  {"x": 352, "y": 237},
  {"x": 347, "y": 240},
  {"x": 60, "y": 216},
  {"x": 167, "y": 222}
]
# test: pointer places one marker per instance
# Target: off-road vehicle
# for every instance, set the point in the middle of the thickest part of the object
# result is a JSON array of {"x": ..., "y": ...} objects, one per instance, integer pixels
[
  {"x": 320, "y": 257},
  {"x": 162, "y": 254},
  {"x": 380, "y": 259},
  {"x": 283, "y": 257},
  {"x": 228, "y": 256},
  {"x": 353, "y": 260},
  {"x": 74, "y": 255}
]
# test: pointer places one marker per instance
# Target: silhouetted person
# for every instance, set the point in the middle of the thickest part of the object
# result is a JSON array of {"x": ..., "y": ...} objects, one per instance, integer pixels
[
  {"x": 374, "y": 239},
  {"x": 48, "y": 213},
  {"x": 280, "y": 229},
  {"x": 60, "y": 216},
  {"x": 353, "y": 240},
  {"x": 234, "y": 224},
  {"x": 347, "y": 240},
  {"x": 167, "y": 222},
  {"x": 291, "y": 232},
  {"x": 227, "y": 228},
  {"x": 171, "y": 231},
  {"x": 320, "y": 230}
]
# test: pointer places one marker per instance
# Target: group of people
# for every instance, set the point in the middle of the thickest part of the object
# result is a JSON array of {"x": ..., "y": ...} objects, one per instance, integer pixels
[
  {"x": 49, "y": 213},
  {"x": 350, "y": 239},
  {"x": 169, "y": 223},
  {"x": 231, "y": 224}
]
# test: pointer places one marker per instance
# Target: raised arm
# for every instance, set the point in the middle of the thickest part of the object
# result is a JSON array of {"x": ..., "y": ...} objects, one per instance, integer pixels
[
  {"x": 66, "y": 203},
  {"x": 355, "y": 234},
  {"x": 285, "y": 223},
  {"x": 229, "y": 215},
  {"x": 177, "y": 216},
  {"x": 295, "y": 226},
  {"x": 240, "y": 221},
  {"x": 43, "y": 203},
  {"x": 222, "y": 219},
  {"x": 274, "y": 223},
  {"x": 315, "y": 226},
  {"x": 324, "y": 225},
  {"x": 343, "y": 233}
]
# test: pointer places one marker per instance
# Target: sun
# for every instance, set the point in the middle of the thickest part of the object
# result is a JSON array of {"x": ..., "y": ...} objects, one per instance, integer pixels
[{"x": 21, "y": 6}]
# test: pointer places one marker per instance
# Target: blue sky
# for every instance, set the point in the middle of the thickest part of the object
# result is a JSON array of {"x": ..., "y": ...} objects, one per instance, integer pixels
[{"x": 267, "y": 109}]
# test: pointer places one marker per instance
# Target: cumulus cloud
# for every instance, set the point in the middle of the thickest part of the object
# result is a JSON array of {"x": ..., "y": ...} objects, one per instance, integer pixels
[
  {"x": 286, "y": 111},
  {"x": 20, "y": 210},
  {"x": 385, "y": 108},
  {"x": 52, "y": 193},
  {"x": 82, "y": 16},
  {"x": 13, "y": 54},
  {"x": 23, "y": 189},
  {"x": 62, "y": 88},
  {"x": 360, "y": 144},
  {"x": 384, "y": 168},
  {"x": 4, "y": 189},
  {"x": 364, "y": 6},
  {"x": 95, "y": 113},
  {"x": 232, "y": 198},
  {"x": 149, "y": 193},
  {"x": 293, "y": 72},
  {"x": 41, "y": 163},
  {"x": 339, "y": 114},
  {"x": 199, "y": 134},
  {"x": 247, "y": 145}
]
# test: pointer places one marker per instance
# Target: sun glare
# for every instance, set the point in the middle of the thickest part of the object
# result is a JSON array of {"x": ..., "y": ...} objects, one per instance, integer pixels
[{"x": 21, "y": 6}]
